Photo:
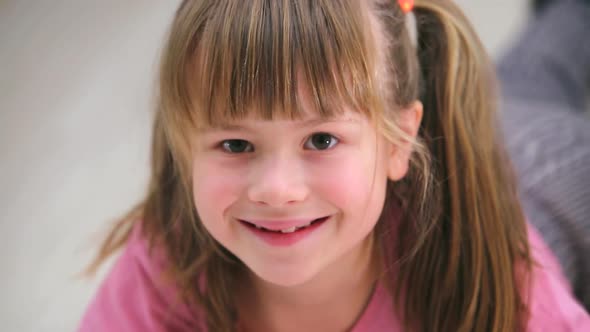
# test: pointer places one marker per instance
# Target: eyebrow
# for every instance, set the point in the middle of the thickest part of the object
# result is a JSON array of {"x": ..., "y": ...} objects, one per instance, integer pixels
[{"x": 300, "y": 124}]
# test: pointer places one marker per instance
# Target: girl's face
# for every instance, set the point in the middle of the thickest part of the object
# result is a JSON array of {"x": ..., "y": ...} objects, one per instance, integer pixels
[{"x": 256, "y": 182}]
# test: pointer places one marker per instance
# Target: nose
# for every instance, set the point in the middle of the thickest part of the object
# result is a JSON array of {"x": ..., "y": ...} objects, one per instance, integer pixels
[{"x": 278, "y": 181}]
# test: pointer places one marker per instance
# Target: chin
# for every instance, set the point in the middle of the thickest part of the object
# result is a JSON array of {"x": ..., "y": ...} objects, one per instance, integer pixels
[{"x": 285, "y": 277}]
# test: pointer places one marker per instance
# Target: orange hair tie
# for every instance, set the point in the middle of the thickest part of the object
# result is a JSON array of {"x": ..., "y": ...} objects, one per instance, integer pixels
[{"x": 406, "y": 5}]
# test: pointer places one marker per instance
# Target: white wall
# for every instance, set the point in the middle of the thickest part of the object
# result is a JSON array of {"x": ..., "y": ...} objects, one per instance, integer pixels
[{"x": 75, "y": 80}]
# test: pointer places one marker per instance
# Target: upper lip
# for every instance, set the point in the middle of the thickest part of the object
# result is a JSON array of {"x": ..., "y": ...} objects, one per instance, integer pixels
[{"x": 280, "y": 224}]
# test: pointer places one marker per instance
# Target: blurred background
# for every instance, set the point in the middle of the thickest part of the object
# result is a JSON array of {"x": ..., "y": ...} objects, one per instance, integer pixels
[{"x": 76, "y": 80}]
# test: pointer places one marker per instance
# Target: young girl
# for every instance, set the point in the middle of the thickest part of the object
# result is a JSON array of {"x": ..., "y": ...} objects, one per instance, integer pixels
[{"x": 314, "y": 170}]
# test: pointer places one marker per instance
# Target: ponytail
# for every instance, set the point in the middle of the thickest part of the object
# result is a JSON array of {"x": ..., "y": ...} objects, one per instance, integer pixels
[{"x": 462, "y": 277}]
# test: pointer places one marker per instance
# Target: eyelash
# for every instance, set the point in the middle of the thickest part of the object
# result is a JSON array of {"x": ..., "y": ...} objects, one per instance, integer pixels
[{"x": 224, "y": 145}]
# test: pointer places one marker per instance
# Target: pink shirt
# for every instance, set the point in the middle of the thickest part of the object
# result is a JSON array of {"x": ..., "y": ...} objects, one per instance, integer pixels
[{"x": 133, "y": 298}]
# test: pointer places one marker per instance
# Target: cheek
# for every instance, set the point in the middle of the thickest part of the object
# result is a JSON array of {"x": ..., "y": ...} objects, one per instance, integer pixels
[
  {"x": 345, "y": 182},
  {"x": 354, "y": 185},
  {"x": 214, "y": 190}
]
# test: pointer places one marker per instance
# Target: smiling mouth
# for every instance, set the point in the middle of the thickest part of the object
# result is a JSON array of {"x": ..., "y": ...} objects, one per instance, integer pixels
[{"x": 286, "y": 230}]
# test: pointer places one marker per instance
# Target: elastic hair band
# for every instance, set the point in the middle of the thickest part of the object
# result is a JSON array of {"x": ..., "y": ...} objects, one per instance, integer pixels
[{"x": 406, "y": 5}]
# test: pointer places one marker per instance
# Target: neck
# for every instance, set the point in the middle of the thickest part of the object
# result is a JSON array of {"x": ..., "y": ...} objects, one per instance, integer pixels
[{"x": 332, "y": 301}]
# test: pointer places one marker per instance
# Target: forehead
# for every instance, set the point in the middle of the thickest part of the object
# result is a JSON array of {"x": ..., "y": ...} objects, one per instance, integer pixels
[
  {"x": 247, "y": 65},
  {"x": 346, "y": 116},
  {"x": 308, "y": 107}
]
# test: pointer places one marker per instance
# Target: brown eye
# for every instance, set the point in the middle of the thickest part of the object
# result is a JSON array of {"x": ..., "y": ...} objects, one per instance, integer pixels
[
  {"x": 237, "y": 146},
  {"x": 321, "y": 141}
]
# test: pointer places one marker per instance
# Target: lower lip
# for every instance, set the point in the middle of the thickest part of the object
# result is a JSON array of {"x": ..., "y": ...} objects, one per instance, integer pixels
[{"x": 284, "y": 239}]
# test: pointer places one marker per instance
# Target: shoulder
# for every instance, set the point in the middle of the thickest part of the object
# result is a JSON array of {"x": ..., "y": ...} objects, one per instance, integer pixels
[
  {"x": 552, "y": 306},
  {"x": 134, "y": 296}
]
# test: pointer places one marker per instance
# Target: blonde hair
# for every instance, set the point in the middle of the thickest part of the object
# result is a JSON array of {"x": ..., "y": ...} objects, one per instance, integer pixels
[{"x": 462, "y": 235}]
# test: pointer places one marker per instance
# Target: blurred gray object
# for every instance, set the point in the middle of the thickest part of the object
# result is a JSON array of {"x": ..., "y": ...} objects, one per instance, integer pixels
[{"x": 545, "y": 78}]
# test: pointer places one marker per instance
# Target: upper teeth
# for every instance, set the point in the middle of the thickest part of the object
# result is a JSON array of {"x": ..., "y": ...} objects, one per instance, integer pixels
[
  {"x": 289, "y": 230},
  {"x": 294, "y": 228},
  {"x": 286, "y": 230}
]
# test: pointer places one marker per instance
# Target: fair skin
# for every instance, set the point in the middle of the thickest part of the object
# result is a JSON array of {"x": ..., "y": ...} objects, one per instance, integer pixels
[{"x": 276, "y": 170}]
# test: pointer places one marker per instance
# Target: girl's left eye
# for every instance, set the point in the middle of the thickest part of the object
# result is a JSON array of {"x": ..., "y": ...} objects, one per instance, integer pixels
[{"x": 321, "y": 141}]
